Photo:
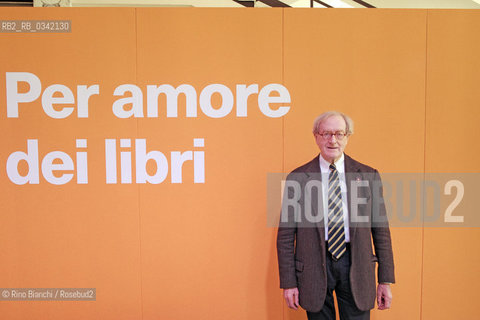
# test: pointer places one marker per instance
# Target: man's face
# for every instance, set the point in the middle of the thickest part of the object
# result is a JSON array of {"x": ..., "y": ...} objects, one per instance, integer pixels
[{"x": 331, "y": 148}]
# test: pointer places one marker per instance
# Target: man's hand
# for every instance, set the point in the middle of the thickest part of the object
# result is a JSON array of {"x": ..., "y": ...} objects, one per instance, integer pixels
[
  {"x": 291, "y": 297},
  {"x": 384, "y": 296}
]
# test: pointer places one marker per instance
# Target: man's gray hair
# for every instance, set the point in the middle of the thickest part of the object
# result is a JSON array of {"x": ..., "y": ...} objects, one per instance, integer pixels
[{"x": 324, "y": 116}]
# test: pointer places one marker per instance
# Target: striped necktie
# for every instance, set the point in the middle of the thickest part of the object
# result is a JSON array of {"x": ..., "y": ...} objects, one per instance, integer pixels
[{"x": 336, "y": 230}]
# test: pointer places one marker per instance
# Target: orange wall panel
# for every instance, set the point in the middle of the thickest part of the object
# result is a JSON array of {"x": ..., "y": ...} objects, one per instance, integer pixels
[
  {"x": 70, "y": 235},
  {"x": 206, "y": 247},
  {"x": 370, "y": 65},
  {"x": 451, "y": 260}
]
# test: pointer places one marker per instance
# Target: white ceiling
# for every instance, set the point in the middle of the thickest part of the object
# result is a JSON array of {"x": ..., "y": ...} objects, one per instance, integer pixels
[{"x": 445, "y": 4}]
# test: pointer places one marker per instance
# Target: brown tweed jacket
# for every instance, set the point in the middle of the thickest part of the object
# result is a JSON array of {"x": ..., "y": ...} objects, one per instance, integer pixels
[{"x": 301, "y": 243}]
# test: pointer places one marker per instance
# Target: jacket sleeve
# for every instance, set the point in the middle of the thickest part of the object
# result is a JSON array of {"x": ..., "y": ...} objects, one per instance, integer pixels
[
  {"x": 381, "y": 234},
  {"x": 287, "y": 230}
]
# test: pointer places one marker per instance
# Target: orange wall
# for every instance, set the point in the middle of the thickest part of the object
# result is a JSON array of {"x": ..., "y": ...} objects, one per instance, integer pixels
[{"x": 408, "y": 78}]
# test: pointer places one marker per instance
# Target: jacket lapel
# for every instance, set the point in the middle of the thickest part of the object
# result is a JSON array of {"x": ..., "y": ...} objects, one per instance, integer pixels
[
  {"x": 313, "y": 173},
  {"x": 352, "y": 172}
]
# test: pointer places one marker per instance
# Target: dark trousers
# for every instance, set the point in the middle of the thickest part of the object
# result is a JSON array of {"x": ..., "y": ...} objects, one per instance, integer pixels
[{"x": 338, "y": 281}]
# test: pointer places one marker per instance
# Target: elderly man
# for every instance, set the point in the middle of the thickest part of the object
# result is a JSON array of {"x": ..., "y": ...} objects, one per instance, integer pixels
[{"x": 324, "y": 240}]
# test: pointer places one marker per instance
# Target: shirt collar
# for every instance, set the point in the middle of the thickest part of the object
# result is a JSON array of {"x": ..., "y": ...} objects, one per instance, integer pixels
[{"x": 339, "y": 164}]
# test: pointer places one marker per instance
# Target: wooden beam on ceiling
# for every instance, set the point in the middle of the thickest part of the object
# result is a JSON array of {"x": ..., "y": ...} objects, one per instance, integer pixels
[
  {"x": 274, "y": 3},
  {"x": 363, "y": 3},
  {"x": 249, "y": 4},
  {"x": 323, "y": 3}
]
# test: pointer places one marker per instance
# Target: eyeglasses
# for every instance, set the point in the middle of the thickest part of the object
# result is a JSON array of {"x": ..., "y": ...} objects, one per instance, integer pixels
[{"x": 339, "y": 135}]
